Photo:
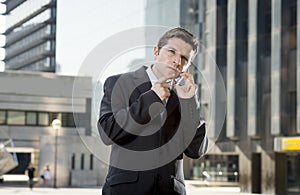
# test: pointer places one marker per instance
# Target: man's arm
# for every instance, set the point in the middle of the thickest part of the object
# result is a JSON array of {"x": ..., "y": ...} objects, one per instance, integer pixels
[
  {"x": 198, "y": 145},
  {"x": 118, "y": 119},
  {"x": 194, "y": 131}
]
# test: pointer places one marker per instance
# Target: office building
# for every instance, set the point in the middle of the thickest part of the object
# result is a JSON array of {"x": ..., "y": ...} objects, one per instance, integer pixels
[
  {"x": 30, "y": 35},
  {"x": 29, "y": 102},
  {"x": 255, "y": 45}
]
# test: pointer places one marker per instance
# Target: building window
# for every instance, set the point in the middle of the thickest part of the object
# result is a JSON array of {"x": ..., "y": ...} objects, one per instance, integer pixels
[
  {"x": 31, "y": 118},
  {"x": 91, "y": 162},
  {"x": 73, "y": 162},
  {"x": 43, "y": 119},
  {"x": 16, "y": 118},
  {"x": 82, "y": 162},
  {"x": 68, "y": 120},
  {"x": 221, "y": 168},
  {"x": 55, "y": 115},
  {"x": 2, "y": 117}
]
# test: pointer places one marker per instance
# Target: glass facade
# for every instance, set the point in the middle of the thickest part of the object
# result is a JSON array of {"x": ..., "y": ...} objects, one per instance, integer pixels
[
  {"x": 293, "y": 170},
  {"x": 24, "y": 10},
  {"x": 35, "y": 118},
  {"x": 289, "y": 61},
  {"x": 216, "y": 168},
  {"x": 2, "y": 117},
  {"x": 43, "y": 119},
  {"x": 30, "y": 36},
  {"x": 256, "y": 49},
  {"x": 16, "y": 117},
  {"x": 31, "y": 118}
]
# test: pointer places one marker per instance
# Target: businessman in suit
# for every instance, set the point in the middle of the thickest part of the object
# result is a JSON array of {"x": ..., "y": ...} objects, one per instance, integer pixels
[{"x": 157, "y": 119}]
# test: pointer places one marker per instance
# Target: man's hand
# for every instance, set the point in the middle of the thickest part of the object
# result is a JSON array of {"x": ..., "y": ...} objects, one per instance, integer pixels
[
  {"x": 161, "y": 88},
  {"x": 188, "y": 90}
]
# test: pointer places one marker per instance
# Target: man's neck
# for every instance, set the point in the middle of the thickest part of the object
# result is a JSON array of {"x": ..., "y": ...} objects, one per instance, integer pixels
[{"x": 155, "y": 71}]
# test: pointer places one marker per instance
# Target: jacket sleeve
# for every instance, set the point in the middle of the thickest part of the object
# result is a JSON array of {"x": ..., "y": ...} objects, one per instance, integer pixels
[
  {"x": 194, "y": 131},
  {"x": 120, "y": 122},
  {"x": 199, "y": 143}
]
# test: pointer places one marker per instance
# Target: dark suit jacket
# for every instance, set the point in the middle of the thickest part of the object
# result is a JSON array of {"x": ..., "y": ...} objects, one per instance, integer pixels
[{"x": 131, "y": 118}]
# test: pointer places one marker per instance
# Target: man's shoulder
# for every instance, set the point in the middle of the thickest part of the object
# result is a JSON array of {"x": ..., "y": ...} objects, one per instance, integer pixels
[{"x": 139, "y": 72}]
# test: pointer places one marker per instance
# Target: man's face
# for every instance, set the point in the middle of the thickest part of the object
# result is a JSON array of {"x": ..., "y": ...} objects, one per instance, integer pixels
[{"x": 171, "y": 58}]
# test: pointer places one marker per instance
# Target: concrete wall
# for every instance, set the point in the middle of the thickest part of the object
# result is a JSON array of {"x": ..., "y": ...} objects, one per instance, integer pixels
[
  {"x": 47, "y": 92},
  {"x": 67, "y": 146}
]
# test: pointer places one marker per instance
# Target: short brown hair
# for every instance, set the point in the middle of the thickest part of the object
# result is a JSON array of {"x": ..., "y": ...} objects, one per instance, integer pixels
[{"x": 179, "y": 33}]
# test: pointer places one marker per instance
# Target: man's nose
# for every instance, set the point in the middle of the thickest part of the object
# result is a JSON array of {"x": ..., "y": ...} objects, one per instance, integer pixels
[{"x": 177, "y": 59}]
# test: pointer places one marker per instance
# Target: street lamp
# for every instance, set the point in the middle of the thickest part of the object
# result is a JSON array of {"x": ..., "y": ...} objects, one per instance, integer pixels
[{"x": 56, "y": 124}]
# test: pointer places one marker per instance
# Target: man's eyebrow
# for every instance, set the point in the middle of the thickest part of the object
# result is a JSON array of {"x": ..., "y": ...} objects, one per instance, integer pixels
[{"x": 187, "y": 56}]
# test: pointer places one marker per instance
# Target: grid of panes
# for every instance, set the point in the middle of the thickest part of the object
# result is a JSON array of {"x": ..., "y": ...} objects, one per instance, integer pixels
[
  {"x": 19, "y": 59},
  {"x": 24, "y": 10},
  {"x": 34, "y": 118},
  {"x": 222, "y": 168},
  {"x": 39, "y": 65},
  {"x": 20, "y": 44}
]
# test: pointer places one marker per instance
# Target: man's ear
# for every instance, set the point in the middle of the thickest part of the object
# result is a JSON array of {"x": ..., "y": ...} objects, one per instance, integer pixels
[{"x": 156, "y": 52}]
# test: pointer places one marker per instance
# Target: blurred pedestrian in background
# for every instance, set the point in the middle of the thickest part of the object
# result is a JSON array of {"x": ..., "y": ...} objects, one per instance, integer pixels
[
  {"x": 46, "y": 175},
  {"x": 30, "y": 173}
]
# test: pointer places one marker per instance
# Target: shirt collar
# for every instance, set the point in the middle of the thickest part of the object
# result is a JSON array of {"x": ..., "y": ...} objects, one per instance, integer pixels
[{"x": 151, "y": 75}]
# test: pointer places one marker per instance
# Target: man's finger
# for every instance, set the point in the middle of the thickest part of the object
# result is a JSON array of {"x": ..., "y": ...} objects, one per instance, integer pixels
[{"x": 164, "y": 79}]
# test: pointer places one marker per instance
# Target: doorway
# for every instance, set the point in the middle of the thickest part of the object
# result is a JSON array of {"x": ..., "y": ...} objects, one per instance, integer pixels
[{"x": 256, "y": 173}]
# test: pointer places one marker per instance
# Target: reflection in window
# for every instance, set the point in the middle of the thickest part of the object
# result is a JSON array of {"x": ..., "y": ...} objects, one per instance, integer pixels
[
  {"x": 68, "y": 120},
  {"x": 16, "y": 118},
  {"x": 24, "y": 10},
  {"x": 43, "y": 119},
  {"x": 222, "y": 168},
  {"x": 2, "y": 117},
  {"x": 31, "y": 118}
]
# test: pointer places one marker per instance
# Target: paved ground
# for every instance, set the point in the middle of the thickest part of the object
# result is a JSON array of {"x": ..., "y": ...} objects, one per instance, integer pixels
[
  {"x": 191, "y": 185},
  {"x": 97, "y": 191},
  {"x": 49, "y": 191}
]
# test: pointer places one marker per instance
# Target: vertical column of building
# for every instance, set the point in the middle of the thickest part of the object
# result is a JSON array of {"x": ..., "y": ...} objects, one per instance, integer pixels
[
  {"x": 276, "y": 68},
  {"x": 252, "y": 69},
  {"x": 231, "y": 60},
  {"x": 276, "y": 92},
  {"x": 53, "y": 16},
  {"x": 298, "y": 66},
  {"x": 210, "y": 71}
]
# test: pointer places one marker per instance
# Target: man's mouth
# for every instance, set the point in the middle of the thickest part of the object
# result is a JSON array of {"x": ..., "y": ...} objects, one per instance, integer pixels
[{"x": 174, "y": 69}]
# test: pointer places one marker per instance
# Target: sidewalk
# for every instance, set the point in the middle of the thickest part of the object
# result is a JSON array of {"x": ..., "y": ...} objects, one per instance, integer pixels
[
  {"x": 191, "y": 190},
  {"x": 49, "y": 191},
  {"x": 192, "y": 187}
]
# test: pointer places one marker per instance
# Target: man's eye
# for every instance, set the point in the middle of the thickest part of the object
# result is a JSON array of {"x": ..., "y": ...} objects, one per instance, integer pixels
[
  {"x": 171, "y": 51},
  {"x": 185, "y": 59}
]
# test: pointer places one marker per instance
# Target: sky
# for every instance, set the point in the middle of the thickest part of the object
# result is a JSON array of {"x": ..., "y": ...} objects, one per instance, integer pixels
[{"x": 83, "y": 26}]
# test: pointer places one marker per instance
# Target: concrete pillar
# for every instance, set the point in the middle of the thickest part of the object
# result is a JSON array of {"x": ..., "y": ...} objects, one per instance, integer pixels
[
  {"x": 268, "y": 172},
  {"x": 276, "y": 55},
  {"x": 244, "y": 170},
  {"x": 252, "y": 70},
  {"x": 209, "y": 70},
  {"x": 231, "y": 56}
]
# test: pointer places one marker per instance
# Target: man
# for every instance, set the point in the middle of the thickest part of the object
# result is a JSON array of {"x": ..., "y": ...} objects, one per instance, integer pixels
[
  {"x": 30, "y": 173},
  {"x": 147, "y": 111}
]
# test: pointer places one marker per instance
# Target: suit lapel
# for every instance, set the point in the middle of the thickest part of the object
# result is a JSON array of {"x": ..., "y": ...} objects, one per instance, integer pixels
[
  {"x": 143, "y": 84},
  {"x": 141, "y": 80}
]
